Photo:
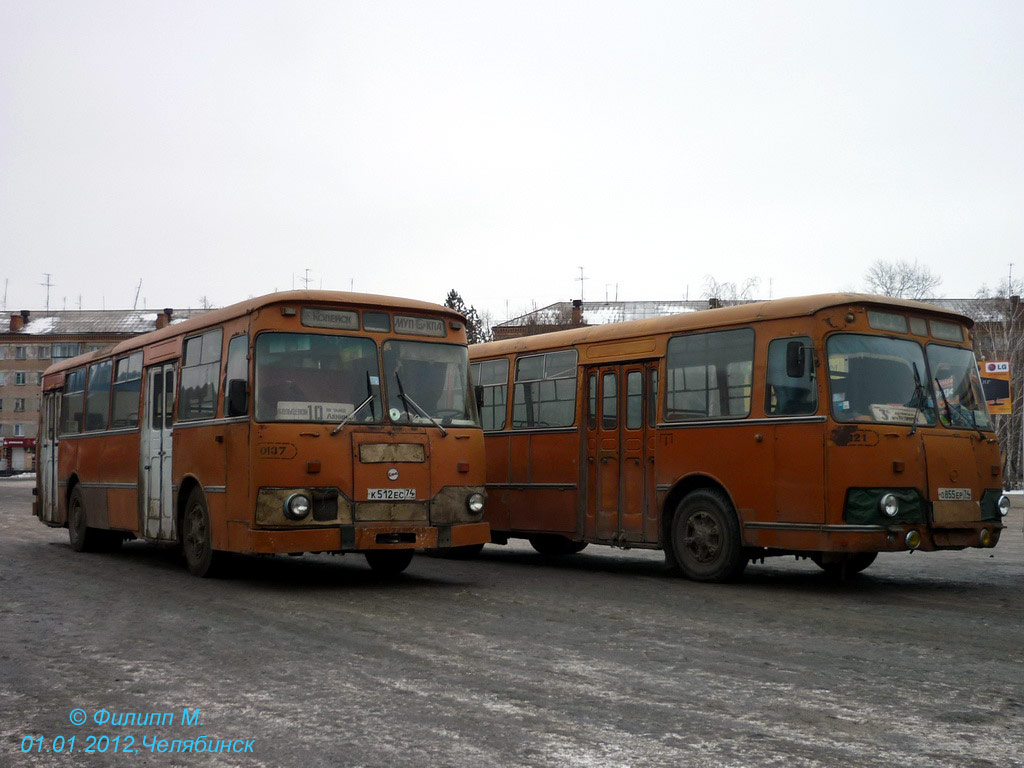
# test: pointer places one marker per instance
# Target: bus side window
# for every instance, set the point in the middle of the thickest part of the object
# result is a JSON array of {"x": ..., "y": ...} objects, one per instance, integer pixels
[
  {"x": 592, "y": 401},
  {"x": 237, "y": 376},
  {"x": 492, "y": 377},
  {"x": 127, "y": 386},
  {"x": 786, "y": 395},
  {"x": 200, "y": 376},
  {"x": 72, "y": 403},
  {"x": 652, "y": 397},
  {"x": 634, "y": 400},
  {"x": 545, "y": 391},
  {"x": 157, "y": 395},
  {"x": 709, "y": 375},
  {"x": 97, "y": 399},
  {"x": 609, "y": 401}
]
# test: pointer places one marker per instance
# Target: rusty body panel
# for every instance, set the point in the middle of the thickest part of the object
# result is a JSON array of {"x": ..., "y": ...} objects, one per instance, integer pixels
[
  {"x": 792, "y": 481},
  {"x": 245, "y": 470}
]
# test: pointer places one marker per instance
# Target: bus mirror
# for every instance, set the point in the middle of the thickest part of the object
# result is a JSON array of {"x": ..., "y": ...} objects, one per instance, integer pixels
[
  {"x": 478, "y": 390},
  {"x": 237, "y": 401},
  {"x": 795, "y": 360}
]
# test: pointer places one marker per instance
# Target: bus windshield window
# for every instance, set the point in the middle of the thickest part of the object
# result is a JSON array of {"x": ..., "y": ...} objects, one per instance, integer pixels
[
  {"x": 428, "y": 381},
  {"x": 957, "y": 387},
  {"x": 873, "y": 378},
  {"x": 316, "y": 377}
]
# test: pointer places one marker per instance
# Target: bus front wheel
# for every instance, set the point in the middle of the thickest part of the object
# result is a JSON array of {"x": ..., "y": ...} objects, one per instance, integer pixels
[
  {"x": 706, "y": 537},
  {"x": 389, "y": 562},
  {"x": 553, "y": 544},
  {"x": 847, "y": 566},
  {"x": 196, "y": 541}
]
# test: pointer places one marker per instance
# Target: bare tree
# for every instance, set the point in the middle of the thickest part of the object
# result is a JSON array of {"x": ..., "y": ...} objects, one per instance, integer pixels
[
  {"x": 901, "y": 280},
  {"x": 998, "y": 334},
  {"x": 729, "y": 293}
]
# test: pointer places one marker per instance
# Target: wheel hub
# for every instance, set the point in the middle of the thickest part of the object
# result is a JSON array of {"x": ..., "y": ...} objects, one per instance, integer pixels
[{"x": 702, "y": 538}]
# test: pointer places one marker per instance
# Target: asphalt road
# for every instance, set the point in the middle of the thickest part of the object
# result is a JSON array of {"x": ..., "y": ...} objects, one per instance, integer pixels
[{"x": 597, "y": 659}]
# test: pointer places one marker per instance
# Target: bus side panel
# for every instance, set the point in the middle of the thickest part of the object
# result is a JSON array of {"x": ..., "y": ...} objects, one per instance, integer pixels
[
  {"x": 549, "y": 501},
  {"x": 238, "y": 504},
  {"x": 737, "y": 457},
  {"x": 199, "y": 453},
  {"x": 102, "y": 461}
]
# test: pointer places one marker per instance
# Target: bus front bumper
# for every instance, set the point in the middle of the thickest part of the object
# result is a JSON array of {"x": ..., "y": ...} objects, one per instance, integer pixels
[
  {"x": 871, "y": 538},
  {"x": 367, "y": 536}
]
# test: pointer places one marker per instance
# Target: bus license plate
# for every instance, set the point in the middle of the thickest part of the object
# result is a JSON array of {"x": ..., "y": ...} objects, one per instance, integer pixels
[
  {"x": 954, "y": 494},
  {"x": 390, "y": 494}
]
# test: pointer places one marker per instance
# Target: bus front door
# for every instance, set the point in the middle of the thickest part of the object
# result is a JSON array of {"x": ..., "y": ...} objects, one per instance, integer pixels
[
  {"x": 48, "y": 459},
  {"x": 155, "y": 456}
]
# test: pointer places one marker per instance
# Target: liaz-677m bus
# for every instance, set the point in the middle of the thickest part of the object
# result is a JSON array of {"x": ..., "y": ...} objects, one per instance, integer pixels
[
  {"x": 833, "y": 427},
  {"x": 297, "y": 422}
]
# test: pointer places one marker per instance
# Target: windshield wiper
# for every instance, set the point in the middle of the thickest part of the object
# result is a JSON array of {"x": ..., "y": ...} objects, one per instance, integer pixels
[
  {"x": 349, "y": 418},
  {"x": 409, "y": 401},
  {"x": 918, "y": 398},
  {"x": 358, "y": 408}
]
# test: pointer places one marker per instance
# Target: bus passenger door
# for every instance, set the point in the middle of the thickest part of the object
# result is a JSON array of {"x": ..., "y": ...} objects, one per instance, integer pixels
[
  {"x": 155, "y": 453},
  {"x": 48, "y": 459},
  {"x": 603, "y": 453},
  {"x": 636, "y": 470}
]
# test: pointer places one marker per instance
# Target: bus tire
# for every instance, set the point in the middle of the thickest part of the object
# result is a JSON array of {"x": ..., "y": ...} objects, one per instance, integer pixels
[
  {"x": 83, "y": 538},
  {"x": 849, "y": 566},
  {"x": 196, "y": 539},
  {"x": 388, "y": 562},
  {"x": 706, "y": 537},
  {"x": 553, "y": 544}
]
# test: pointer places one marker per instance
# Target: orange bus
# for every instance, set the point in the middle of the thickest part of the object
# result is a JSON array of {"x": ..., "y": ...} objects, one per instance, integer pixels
[
  {"x": 305, "y": 421},
  {"x": 831, "y": 427}
]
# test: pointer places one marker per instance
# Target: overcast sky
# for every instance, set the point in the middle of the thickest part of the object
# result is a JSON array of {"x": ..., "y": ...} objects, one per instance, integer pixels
[{"x": 220, "y": 149}]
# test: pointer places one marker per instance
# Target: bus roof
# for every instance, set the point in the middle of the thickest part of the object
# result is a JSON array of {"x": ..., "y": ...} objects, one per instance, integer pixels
[
  {"x": 217, "y": 316},
  {"x": 710, "y": 318}
]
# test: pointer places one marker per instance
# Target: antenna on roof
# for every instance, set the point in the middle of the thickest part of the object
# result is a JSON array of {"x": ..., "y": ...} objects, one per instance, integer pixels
[
  {"x": 48, "y": 285},
  {"x": 6, "y": 281},
  {"x": 138, "y": 288},
  {"x": 581, "y": 278}
]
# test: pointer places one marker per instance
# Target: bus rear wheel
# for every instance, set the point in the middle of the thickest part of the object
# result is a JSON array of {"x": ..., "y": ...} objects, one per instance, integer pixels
[
  {"x": 706, "y": 537},
  {"x": 389, "y": 562},
  {"x": 553, "y": 544},
  {"x": 196, "y": 540},
  {"x": 83, "y": 538}
]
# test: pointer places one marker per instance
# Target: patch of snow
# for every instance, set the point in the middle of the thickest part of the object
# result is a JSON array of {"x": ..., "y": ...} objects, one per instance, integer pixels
[{"x": 42, "y": 325}]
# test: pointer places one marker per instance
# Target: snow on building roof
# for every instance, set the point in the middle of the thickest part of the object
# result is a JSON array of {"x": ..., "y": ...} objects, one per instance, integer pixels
[{"x": 94, "y": 321}]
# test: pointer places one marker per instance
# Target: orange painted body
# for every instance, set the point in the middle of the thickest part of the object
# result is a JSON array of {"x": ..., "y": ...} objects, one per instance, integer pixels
[
  {"x": 617, "y": 476},
  {"x": 244, "y": 468}
]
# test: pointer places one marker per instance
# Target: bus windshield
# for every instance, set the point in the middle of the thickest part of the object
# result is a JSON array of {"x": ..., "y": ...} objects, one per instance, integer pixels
[
  {"x": 316, "y": 377},
  {"x": 957, "y": 387},
  {"x": 879, "y": 379},
  {"x": 428, "y": 381}
]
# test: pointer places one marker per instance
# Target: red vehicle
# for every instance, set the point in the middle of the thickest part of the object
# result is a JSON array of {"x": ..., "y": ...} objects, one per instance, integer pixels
[
  {"x": 833, "y": 427},
  {"x": 297, "y": 422}
]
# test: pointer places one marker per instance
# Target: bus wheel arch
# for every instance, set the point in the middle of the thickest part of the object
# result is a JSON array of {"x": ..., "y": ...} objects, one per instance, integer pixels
[
  {"x": 707, "y": 511},
  {"x": 196, "y": 535},
  {"x": 72, "y": 482},
  {"x": 82, "y": 537}
]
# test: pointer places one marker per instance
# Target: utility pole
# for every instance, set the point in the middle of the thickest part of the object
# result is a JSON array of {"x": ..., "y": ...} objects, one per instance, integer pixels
[
  {"x": 1009, "y": 282},
  {"x": 48, "y": 286},
  {"x": 137, "y": 289}
]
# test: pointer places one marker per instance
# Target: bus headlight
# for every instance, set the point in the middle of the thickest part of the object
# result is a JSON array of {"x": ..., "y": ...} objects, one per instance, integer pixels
[
  {"x": 475, "y": 503},
  {"x": 913, "y": 540},
  {"x": 296, "y": 506},
  {"x": 1004, "y": 505},
  {"x": 985, "y": 537},
  {"x": 889, "y": 505}
]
